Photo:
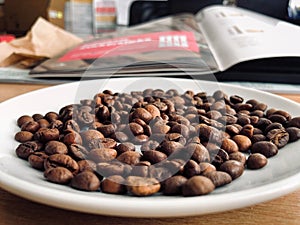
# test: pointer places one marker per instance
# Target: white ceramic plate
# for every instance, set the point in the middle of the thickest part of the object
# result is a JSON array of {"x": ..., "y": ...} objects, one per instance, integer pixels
[{"x": 279, "y": 177}]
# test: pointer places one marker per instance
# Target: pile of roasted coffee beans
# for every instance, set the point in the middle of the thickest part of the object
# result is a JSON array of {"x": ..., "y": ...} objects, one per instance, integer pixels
[{"x": 154, "y": 141}]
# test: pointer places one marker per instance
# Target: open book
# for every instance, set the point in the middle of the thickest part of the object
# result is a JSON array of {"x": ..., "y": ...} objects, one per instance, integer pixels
[{"x": 229, "y": 42}]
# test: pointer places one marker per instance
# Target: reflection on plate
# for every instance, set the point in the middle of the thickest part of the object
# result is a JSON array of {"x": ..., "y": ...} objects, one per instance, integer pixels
[{"x": 279, "y": 177}]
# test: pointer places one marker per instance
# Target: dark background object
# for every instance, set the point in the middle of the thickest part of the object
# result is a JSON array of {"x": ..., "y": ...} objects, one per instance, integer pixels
[{"x": 143, "y": 11}]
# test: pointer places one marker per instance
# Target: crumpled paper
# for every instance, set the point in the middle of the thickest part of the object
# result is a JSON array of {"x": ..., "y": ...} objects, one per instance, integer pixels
[{"x": 43, "y": 41}]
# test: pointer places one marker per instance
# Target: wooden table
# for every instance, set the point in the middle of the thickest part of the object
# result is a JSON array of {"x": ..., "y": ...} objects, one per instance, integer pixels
[{"x": 18, "y": 211}]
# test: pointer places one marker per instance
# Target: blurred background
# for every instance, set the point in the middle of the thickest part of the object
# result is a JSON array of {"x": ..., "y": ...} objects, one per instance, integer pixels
[{"x": 92, "y": 17}]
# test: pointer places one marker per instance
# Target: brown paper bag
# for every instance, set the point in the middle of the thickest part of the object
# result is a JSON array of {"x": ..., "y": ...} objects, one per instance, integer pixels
[{"x": 44, "y": 40}]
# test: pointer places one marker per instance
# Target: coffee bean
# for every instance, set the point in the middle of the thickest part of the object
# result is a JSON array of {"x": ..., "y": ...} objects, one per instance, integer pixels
[
  {"x": 24, "y": 150},
  {"x": 218, "y": 178},
  {"x": 197, "y": 185},
  {"x": 78, "y": 152},
  {"x": 72, "y": 138},
  {"x": 115, "y": 167},
  {"x": 294, "y": 122},
  {"x": 206, "y": 167},
  {"x": 238, "y": 156},
  {"x": 234, "y": 168},
  {"x": 23, "y": 136},
  {"x": 124, "y": 147},
  {"x": 102, "y": 154},
  {"x": 129, "y": 157},
  {"x": 36, "y": 160},
  {"x": 294, "y": 133},
  {"x": 114, "y": 185},
  {"x": 24, "y": 119},
  {"x": 60, "y": 175},
  {"x": 173, "y": 185},
  {"x": 279, "y": 137},
  {"x": 266, "y": 148},
  {"x": 30, "y": 126},
  {"x": 55, "y": 147},
  {"x": 86, "y": 165},
  {"x": 46, "y": 134},
  {"x": 154, "y": 156},
  {"x": 141, "y": 186},
  {"x": 256, "y": 161},
  {"x": 191, "y": 168},
  {"x": 86, "y": 181},
  {"x": 258, "y": 137},
  {"x": 229, "y": 146},
  {"x": 243, "y": 142},
  {"x": 61, "y": 160}
]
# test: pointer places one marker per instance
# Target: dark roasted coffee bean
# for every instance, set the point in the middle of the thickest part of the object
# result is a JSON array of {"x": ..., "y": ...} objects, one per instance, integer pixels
[
  {"x": 206, "y": 167},
  {"x": 258, "y": 113},
  {"x": 234, "y": 168},
  {"x": 197, "y": 185},
  {"x": 86, "y": 181},
  {"x": 173, "y": 185},
  {"x": 129, "y": 157},
  {"x": 169, "y": 147},
  {"x": 218, "y": 178},
  {"x": 23, "y": 136},
  {"x": 294, "y": 122},
  {"x": 229, "y": 146},
  {"x": 114, "y": 184},
  {"x": 61, "y": 160},
  {"x": 102, "y": 154},
  {"x": 243, "y": 142},
  {"x": 124, "y": 147},
  {"x": 260, "y": 106},
  {"x": 258, "y": 137},
  {"x": 107, "y": 129},
  {"x": 43, "y": 123},
  {"x": 256, "y": 161},
  {"x": 86, "y": 165},
  {"x": 51, "y": 116},
  {"x": 72, "y": 138},
  {"x": 78, "y": 152},
  {"x": 141, "y": 169},
  {"x": 30, "y": 126},
  {"x": 24, "y": 119},
  {"x": 198, "y": 152},
  {"x": 154, "y": 156},
  {"x": 46, "y": 134},
  {"x": 247, "y": 130},
  {"x": 278, "y": 118},
  {"x": 55, "y": 147},
  {"x": 141, "y": 186},
  {"x": 263, "y": 123},
  {"x": 60, "y": 175},
  {"x": 272, "y": 126},
  {"x": 24, "y": 150},
  {"x": 90, "y": 135},
  {"x": 236, "y": 99},
  {"x": 191, "y": 168},
  {"x": 294, "y": 133},
  {"x": 71, "y": 125},
  {"x": 36, "y": 160},
  {"x": 219, "y": 156},
  {"x": 238, "y": 156},
  {"x": 279, "y": 137},
  {"x": 106, "y": 169},
  {"x": 266, "y": 148}
]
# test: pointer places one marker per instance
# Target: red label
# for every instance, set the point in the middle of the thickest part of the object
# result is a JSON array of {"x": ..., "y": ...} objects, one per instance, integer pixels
[{"x": 172, "y": 40}]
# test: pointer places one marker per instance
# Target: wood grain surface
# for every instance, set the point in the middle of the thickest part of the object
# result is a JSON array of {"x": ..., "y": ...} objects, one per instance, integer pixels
[{"x": 18, "y": 211}]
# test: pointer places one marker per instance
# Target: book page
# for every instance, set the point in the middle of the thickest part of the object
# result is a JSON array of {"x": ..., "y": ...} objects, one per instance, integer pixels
[{"x": 236, "y": 35}]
